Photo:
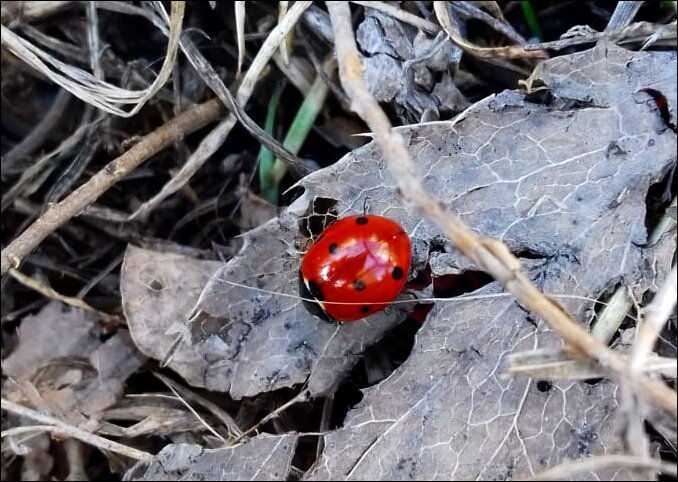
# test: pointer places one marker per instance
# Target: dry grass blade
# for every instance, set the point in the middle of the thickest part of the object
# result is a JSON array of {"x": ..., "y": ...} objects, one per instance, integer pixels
[
  {"x": 489, "y": 255},
  {"x": 654, "y": 317},
  {"x": 510, "y": 52},
  {"x": 93, "y": 41},
  {"x": 218, "y": 135},
  {"x": 224, "y": 417},
  {"x": 29, "y": 11},
  {"x": 57, "y": 426},
  {"x": 75, "y": 203},
  {"x": 287, "y": 43},
  {"x": 212, "y": 79},
  {"x": 39, "y": 134},
  {"x": 52, "y": 294},
  {"x": 553, "y": 364},
  {"x": 239, "y": 7},
  {"x": 402, "y": 15},
  {"x": 571, "y": 470},
  {"x": 86, "y": 86},
  {"x": 638, "y": 32}
]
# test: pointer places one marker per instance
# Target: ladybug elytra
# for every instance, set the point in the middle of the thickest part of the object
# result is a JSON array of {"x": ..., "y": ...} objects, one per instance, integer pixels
[{"x": 363, "y": 259}]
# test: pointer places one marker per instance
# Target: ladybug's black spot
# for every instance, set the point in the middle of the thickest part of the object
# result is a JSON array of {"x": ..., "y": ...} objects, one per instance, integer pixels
[
  {"x": 310, "y": 291},
  {"x": 333, "y": 248},
  {"x": 397, "y": 273},
  {"x": 361, "y": 220},
  {"x": 365, "y": 309},
  {"x": 359, "y": 285}
]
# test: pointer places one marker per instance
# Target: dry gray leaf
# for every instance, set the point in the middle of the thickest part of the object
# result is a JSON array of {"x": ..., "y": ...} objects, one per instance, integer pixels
[
  {"x": 568, "y": 186},
  {"x": 400, "y": 64},
  {"x": 264, "y": 457},
  {"x": 56, "y": 331},
  {"x": 62, "y": 367},
  {"x": 564, "y": 184},
  {"x": 61, "y": 355},
  {"x": 158, "y": 290}
]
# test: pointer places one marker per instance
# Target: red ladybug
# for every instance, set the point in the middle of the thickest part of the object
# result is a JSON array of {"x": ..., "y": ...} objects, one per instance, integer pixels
[{"x": 361, "y": 259}]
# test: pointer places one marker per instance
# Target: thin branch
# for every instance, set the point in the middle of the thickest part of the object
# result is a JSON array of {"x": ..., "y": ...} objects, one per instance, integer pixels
[
  {"x": 58, "y": 214},
  {"x": 303, "y": 396},
  {"x": 54, "y": 425},
  {"x": 49, "y": 292},
  {"x": 655, "y": 316},
  {"x": 601, "y": 462},
  {"x": 488, "y": 254},
  {"x": 40, "y": 132},
  {"x": 402, "y": 15},
  {"x": 452, "y": 29},
  {"x": 217, "y": 136}
]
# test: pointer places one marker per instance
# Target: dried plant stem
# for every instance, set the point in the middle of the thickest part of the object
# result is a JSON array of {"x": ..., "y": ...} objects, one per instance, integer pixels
[
  {"x": 59, "y": 213},
  {"x": 601, "y": 462},
  {"x": 49, "y": 292},
  {"x": 217, "y": 136},
  {"x": 60, "y": 427},
  {"x": 655, "y": 316},
  {"x": 301, "y": 397},
  {"x": 490, "y": 255}
]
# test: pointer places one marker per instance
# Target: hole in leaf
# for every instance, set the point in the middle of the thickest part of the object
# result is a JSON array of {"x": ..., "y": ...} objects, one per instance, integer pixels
[
  {"x": 540, "y": 96},
  {"x": 659, "y": 197},
  {"x": 528, "y": 253},
  {"x": 421, "y": 280},
  {"x": 544, "y": 386},
  {"x": 593, "y": 381},
  {"x": 378, "y": 362},
  {"x": 323, "y": 213},
  {"x": 451, "y": 285}
]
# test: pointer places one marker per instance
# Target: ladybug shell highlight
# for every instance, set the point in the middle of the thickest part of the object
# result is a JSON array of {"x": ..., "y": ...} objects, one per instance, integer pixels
[{"x": 361, "y": 259}]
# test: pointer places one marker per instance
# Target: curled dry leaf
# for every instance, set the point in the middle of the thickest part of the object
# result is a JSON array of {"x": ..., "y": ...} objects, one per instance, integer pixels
[
  {"x": 404, "y": 65},
  {"x": 447, "y": 413},
  {"x": 563, "y": 183},
  {"x": 61, "y": 366},
  {"x": 264, "y": 457}
]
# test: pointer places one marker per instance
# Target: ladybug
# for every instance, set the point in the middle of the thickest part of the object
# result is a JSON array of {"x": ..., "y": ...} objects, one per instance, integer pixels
[{"x": 361, "y": 259}]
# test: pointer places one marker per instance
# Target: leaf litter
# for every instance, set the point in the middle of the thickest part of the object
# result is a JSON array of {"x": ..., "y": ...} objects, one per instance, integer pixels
[
  {"x": 63, "y": 365},
  {"x": 564, "y": 181}
]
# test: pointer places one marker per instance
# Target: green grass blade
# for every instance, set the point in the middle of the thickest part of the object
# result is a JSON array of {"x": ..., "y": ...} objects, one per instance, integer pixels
[
  {"x": 302, "y": 124},
  {"x": 266, "y": 160},
  {"x": 531, "y": 19}
]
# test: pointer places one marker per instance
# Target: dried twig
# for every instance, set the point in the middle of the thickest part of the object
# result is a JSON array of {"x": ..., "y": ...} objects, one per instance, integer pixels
[
  {"x": 218, "y": 412},
  {"x": 54, "y": 425},
  {"x": 52, "y": 294},
  {"x": 490, "y": 255},
  {"x": 654, "y": 316},
  {"x": 218, "y": 135},
  {"x": 239, "y": 7},
  {"x": 601, "y": 462},
  {"x": 39, "y": 133},
  {"x": 303, "y": 396},
  {"x": 29, "y": 11},
  {"x": 402, "y": 15},
  {"x": 637, "y": 32},
  {"x": 86, "y": 86},
  {"x": 57, "y": 214},
  {"x": 509, "y": 52}
]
